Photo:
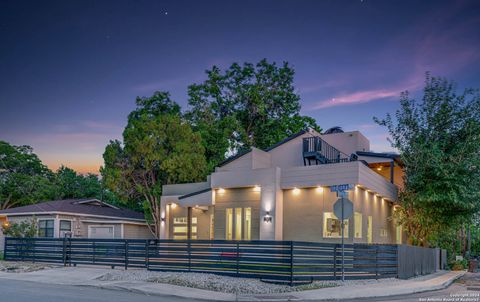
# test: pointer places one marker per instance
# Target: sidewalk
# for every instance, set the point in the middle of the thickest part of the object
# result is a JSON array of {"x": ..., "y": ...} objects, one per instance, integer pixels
[{"x": 87, "y": 277}]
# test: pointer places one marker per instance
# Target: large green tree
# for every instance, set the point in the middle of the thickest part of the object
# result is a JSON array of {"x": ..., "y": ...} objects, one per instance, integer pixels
[
  {"x": 439, "y": 141},
  {"x": 24, "y": 179},
  {"x": 158, "y": 148},
  {"x": 246, "y": 105}
]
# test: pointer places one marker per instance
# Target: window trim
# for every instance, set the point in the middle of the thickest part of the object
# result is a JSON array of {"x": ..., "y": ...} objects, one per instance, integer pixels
[{"x": 46, "y": 228}]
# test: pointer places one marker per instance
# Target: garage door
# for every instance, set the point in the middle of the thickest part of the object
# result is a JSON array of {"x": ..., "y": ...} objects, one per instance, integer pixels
[{"x": 100, "y": 232}]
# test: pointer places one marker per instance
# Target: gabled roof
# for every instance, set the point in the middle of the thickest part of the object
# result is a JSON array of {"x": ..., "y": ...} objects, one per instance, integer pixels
[
  {"x": 87, "y": 207},
  {"x": 246, "y": 151}
]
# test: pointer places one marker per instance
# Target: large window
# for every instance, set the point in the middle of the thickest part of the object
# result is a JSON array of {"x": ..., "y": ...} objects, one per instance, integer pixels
[
  {"x": 229, "y": 224},
  {"x": 399, "y": 234},
  {"x": 45, "y": 228},
  {"x": 247, "y": 224},
  {"x": 238, "y": 226},
  {"x": 358, "y": 224},
  {"x": 180, "y": 228},
  {"x": 332, "y": 226},
  {"x": 238, "y": 223}
]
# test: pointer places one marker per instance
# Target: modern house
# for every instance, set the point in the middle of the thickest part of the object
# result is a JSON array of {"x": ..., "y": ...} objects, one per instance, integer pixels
[
  {"x": 79, "y": 218},
  {"x": 283, "y": 193}
]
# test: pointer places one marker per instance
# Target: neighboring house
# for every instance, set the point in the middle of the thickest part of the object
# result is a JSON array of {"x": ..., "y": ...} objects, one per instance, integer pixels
[
  {"x": 79, "y": 218},
  {"x": 282, "y": 193}
]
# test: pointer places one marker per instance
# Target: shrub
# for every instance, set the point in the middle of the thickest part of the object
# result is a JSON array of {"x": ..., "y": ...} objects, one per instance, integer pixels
[
  {"x": 458, "y": 265},
  {"x": 24, "y": 229}
]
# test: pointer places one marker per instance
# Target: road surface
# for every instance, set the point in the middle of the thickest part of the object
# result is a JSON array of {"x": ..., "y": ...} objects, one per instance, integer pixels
[
  {"x": 466, "y": 289},
  {"x": 22, "y": 291}
]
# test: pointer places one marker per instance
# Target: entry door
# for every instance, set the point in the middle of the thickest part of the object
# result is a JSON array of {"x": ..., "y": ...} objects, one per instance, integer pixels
[
  {"x": 100, "y": 232},
  {"x": 369, "y": 230}
]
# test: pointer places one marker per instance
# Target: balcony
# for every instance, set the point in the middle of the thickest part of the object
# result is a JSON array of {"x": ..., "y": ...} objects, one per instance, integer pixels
[{"x": 316, "y": 151}]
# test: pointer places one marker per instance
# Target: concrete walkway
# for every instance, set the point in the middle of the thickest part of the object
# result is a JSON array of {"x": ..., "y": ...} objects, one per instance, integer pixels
[{"x": 87, "y": 277}]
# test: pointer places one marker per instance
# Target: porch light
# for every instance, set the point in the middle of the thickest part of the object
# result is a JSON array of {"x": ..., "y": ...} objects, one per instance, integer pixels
[
  {"x": 173, "y": 205},
  {"x": 296, "y": 191},
  {"x": 319, "y": 189},
  {"x": 257, "y": 189},
  {"x": 267, "y": 218},
  {"x": 221, "y": 190}
]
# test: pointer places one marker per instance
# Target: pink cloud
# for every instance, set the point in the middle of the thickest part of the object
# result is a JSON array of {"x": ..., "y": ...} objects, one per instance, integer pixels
[{"x": 356, "y": 98}]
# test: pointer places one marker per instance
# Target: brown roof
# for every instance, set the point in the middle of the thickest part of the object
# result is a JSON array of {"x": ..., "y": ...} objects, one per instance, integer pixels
[{"x": 77, "y": 206}]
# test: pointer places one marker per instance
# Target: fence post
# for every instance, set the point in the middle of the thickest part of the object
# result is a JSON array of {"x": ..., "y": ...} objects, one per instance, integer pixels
[
  {"x": 147, "y": 250},
  {"x": 238, "y": 256},
  {"x": 126, "y": 254},
  {"x": 5, "y": 249},
  {"x": 291, "y": 263},
  {"x": 376, "y": 262},
  {"x": 94, "y": 251},
  {"x": 189, "y": 255},
  {"x": 335, "y": 262},
  {"x": 64, "y": 251}
]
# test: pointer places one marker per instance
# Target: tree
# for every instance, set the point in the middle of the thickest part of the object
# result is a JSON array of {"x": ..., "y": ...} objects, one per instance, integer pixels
[
  {"x": 72, "y": 185},
  {"x": 245, "y": 106},
  {"x": 158, "y": 148},
  {"x": 439, "y": 143},
  {"x": 24, "y": 179}
]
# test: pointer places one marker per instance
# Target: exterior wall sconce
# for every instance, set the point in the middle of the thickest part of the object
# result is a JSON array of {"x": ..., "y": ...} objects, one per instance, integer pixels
[
  {"x": 267, "y": 218},
  {"x": 162, "y": 219},
  {"x": 296, "y": 191}
]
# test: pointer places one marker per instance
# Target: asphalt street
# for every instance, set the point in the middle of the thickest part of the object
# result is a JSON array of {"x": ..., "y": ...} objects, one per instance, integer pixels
[
  {"x": 466, "y": 289},
  {"x": 22, "y": 291}
]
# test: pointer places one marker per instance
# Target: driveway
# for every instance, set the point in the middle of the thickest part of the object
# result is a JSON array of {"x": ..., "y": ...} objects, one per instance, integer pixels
[{"x": 24, "y": 291}]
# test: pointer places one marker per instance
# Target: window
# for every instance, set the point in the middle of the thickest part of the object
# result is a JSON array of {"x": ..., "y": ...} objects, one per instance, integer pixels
[
  {"x": 65, "y": 226},
  {"x": 358, "y": 224},
  {"x": 45, "y": 228},
  {"x": 247, "y": 224},
  {"x": 212, "y": 226},
  {"x": 399, "y": 234},
  {"x": 332, "y": 226},
  {"x": 229, "y": 224},
  {"x": 238, "y": 223},
  {"x": 180, "y": 228},
  {"x": 369, "y": 229}
]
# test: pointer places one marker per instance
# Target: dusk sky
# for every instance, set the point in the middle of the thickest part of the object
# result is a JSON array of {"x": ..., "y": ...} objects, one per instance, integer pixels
[{"x": 70, "y": 70}]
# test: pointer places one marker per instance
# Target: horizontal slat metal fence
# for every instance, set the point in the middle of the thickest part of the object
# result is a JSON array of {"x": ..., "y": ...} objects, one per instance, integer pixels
[{"x": 287, "y": 261}]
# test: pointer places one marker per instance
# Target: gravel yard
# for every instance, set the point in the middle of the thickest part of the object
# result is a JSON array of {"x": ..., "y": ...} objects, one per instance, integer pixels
[
  {"x": 22, "y": 267},
  {"x": 224, "y": 283}
]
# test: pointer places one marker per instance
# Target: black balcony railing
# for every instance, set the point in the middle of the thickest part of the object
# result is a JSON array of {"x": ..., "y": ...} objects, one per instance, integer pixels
[{"x": 318, "y": 151}]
